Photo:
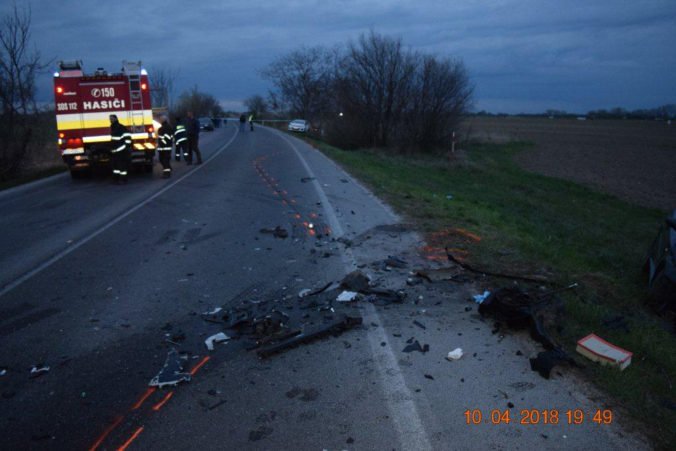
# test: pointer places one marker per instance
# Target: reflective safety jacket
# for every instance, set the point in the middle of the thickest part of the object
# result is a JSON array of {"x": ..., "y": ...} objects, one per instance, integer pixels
[
  {"x": 165, "y": 135},
  {"x": 119, "y": 137},
  {"x": 180, "y": 134}
]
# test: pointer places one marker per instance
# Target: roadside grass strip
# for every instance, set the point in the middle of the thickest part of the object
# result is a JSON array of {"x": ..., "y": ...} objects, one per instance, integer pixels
[{"x": 533, "y": 224}]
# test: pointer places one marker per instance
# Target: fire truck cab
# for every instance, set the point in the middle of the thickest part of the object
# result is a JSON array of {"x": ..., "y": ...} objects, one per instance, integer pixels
[{"x": 83, "y": 104}]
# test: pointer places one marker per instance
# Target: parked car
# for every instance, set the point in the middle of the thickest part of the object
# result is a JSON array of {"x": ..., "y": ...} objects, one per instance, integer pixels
[
  {"x": 299, "y": 125},
  {"x": 206, "y": 124},
  {"x": 660, "y": 265}
]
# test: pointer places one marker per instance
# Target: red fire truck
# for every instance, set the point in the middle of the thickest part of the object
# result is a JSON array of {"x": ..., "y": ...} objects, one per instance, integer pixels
[{"x": 83, "y": 103}]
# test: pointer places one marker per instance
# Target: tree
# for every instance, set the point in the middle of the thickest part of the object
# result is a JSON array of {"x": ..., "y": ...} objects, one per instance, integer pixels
[
  {"x": 302, "y": 79},
  {"x": 162, "y": 87},
  {"x": 18, "y": 67},
  {"x": 201, "y": 104},
  {"x": 256, "y": 105},
  {"x": 373, "y": 84}
]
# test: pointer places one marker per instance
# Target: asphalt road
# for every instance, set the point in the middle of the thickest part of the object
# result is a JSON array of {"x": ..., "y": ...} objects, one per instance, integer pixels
[{"x": 95, "y": 277}]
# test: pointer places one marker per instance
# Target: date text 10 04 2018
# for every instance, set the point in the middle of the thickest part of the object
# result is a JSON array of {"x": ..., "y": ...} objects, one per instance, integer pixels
[{"x": 536, "y": 416}]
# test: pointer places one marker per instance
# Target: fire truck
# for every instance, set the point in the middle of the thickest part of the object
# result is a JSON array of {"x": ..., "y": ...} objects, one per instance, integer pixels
[{"x": 83, "y": 104}]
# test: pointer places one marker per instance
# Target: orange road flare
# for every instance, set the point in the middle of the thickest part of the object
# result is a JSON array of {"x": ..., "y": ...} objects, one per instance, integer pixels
[
  {"x": 199, "y": 365},
  {"x": 105, "y": 434},
  {"x": 145, "y": 396},
  {"x": 166, "y": 398},
  {"x": 131, "y": 439}
]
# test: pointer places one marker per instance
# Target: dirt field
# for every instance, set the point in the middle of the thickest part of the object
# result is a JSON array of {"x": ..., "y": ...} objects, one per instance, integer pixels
[{"x": 634, "y": 160}]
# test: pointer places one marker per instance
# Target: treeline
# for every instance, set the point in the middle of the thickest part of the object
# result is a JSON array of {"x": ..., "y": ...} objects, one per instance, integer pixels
[
  {"x": 372, "y": 92},
  {"x": 664, "y": 112}
]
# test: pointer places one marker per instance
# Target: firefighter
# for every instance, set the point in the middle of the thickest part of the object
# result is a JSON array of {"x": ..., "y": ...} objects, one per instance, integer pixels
[
  {"x": 180, "y": 140},
  {"x": 165, "y": 135},
  {"x": 120, "y": 139},
  {"x": 193, "y": 128}
]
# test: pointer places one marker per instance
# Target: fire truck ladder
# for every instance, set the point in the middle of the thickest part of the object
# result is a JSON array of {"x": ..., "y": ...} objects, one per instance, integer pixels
[{"x": 133, "y": 71}]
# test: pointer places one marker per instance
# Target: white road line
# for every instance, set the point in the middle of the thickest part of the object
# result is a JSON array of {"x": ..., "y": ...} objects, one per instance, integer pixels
[
  {"x": 47, "y": 263},
  {"x": 402, "y": 408}
]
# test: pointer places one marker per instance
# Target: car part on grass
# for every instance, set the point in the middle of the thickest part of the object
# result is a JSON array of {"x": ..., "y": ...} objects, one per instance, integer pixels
[
  {"x": 598, "y": 350},
  {"x": 660, "y": 266},
  {"x": 531, "y": 278},
  {"x": 216, "y": 338},
  {"x": 455, "y": 354},
  {"x": 172, "y": 371},
  {"x": 540, "y": 314}
]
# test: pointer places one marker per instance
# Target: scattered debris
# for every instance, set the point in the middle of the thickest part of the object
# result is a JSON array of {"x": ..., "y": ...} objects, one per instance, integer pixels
[
  {"x": 356, "y": 281},
  {"x": 419, "y": 324},
  {"x": 438, "y": 275},
  {"x": 395, "y": 262},
  {"x": 307, "y": 179},
  {"x": 347, "y": 296},
  {"x": 479, "y": 298},
  {"x": 337, "y": 326},
  {"x": 599, "y": 350},
  {"x": 172, "y": 371},
  {"x": 217, "y": 338},
  {"x": 277, "y": 232},
  {"x": 415, "y": 346},
  {"x": 545, "y": 361},
  {"x": 455, "y": 354},
  {"x": 429, "y": 376},
  {"x": 3, "y": 371},
  {"x": 38, "y": 370},
  {"x": 213, "y": 312},
  {"x": 304, "y": 292},
  {"x": 449, "y": 196},
  {"x": 413, "y": 281}
]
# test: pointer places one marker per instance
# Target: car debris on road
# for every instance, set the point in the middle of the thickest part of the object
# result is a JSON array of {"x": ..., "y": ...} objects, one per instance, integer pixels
[{"x": 172, "y": 372}]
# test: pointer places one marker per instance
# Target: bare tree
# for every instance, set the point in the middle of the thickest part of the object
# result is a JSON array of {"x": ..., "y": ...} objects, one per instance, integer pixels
[
  {"x": 18, "y": 67},
  {"x": 439, "y": 94},
  {"x": 373, "y": 84},
  {"x": 256, "y": 105},
  {"x": 200, "y": 103},
  {"x": 302, "y": 79},
  {"x": 162, "y": 87}
]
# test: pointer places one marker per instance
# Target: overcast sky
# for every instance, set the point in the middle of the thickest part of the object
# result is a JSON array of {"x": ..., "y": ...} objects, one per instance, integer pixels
[{"x": 522, "y": 55}]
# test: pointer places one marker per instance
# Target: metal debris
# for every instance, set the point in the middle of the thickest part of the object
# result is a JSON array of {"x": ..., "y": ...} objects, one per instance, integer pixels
[{"x": 172, "y": 371}]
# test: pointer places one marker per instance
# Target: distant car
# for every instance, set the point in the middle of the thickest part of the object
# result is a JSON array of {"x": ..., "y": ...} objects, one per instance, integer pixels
[
  {"x": 206, "y": 124},
  {"x": 660, "y": 265},
  {"x": 299, "y": 125}
]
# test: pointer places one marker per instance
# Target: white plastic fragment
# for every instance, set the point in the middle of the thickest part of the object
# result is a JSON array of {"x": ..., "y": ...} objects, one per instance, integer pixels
[
  {"x": 3, "y": 372},
  {"x": 217, "y": 338},
  {"x": 454, "y": 354},
  {"x": 213, "y": 312},
  {"x": 347, "y": 296},
  {"x": 479, "y": 298},
  {"x": 304, "y": 292}
]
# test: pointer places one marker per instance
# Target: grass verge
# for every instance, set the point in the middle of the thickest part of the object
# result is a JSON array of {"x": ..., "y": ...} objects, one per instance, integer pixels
[
  {"x": 36, "y": 175},
  {"x": 520, "y": 222}
]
